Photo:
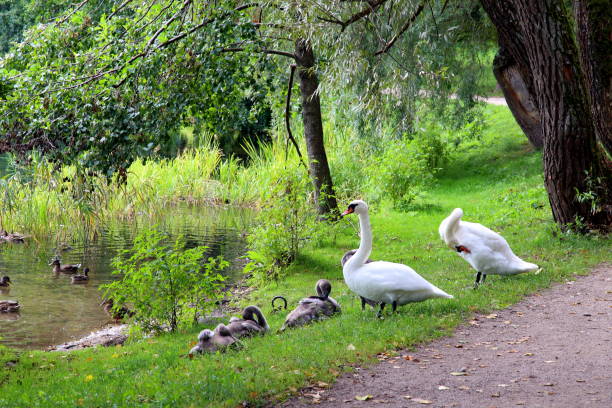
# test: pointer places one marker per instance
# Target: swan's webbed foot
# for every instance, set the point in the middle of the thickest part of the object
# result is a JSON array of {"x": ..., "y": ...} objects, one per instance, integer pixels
[{"x": 380, "y": 311}]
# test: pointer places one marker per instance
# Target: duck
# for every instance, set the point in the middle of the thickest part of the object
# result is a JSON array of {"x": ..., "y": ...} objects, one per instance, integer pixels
[
  {"x": 116, "y": 313},
  {"x": 9, "y": 306},
  {"x": 81, "y": 278},
  {"x": 12, "y": 237},
  {"x": 212, "y": 340},
  {"x": 253, "y": 322},
  {"x": 348, "y": 255},
  {"x": 380, "y": 281},
  {"x": 485, "y": 250},
  {"x": 5, "y": 282},
  {"x": 68, "y": 268},
  {"x": 313, "y": 308}
]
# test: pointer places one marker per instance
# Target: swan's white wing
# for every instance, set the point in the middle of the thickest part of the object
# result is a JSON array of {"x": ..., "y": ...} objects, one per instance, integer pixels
[{"x": 387, "y": 281}]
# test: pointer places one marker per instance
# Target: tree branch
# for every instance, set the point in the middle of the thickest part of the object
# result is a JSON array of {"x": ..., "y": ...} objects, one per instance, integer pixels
[
  {"x": 288, "y": 112},
  {"x": 405, "y": 27},
  {"x": 77, "y": 8},
  {"x": 372, "y": 6},
  {"x": 118, "y": 9},
  {"x": 263, "y": 50}
]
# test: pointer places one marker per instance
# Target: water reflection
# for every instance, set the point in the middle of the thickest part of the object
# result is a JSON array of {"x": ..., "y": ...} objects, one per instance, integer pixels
[{"x": 54, "y": 311}]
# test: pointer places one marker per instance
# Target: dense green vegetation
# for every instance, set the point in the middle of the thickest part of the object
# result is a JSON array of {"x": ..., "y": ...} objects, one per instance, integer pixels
[{"x": 496, "y": 179}]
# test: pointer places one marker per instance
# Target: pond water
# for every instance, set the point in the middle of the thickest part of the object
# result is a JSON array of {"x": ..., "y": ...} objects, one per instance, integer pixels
[{"x": 54, "y": 311}]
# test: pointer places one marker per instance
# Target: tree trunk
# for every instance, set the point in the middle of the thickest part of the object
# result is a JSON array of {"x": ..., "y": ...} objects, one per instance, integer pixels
[
  {"x": 576, "y": 175},
  {"x": 595, "y": 39},
  {"x": 313, "y": 129},
  {"x": 518, "y": 91}
]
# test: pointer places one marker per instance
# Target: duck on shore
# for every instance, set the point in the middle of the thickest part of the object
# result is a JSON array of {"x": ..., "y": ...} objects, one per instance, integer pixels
[
  {"x": 12, "y": 237},
  {"x": 117, "y": 314}
]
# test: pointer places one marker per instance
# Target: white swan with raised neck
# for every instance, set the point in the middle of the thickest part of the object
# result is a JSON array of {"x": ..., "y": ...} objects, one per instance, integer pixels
[{"x": 379, "y": 281}]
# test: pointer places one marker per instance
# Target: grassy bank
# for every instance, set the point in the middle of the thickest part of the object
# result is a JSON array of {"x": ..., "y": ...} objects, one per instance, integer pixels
[{"x": 497, "y": 182}]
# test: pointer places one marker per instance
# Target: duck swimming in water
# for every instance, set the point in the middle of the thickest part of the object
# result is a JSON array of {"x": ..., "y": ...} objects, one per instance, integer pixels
[
  {"x": 68, "y": 268},
  {"x": 81, "y": 278}
]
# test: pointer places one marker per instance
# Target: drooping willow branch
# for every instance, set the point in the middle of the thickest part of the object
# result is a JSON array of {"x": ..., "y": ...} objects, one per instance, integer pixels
[{"x": 405, "y": 27}]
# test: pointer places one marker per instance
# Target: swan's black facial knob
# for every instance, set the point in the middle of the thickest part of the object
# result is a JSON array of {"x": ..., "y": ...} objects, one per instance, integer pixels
[{"x": 349, "y": 210}]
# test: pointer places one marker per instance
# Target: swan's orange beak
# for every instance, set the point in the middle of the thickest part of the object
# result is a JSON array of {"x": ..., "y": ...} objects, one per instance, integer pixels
[{"x": 347, "y": 212}]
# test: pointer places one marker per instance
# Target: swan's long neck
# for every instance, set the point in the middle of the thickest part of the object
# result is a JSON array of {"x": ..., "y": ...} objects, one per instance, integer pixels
[
  {"x": 451, "y": 224},
  {"x": 365, "y": 245}
]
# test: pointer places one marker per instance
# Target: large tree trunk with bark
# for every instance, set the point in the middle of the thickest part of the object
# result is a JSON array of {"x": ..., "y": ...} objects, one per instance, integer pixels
[
  {"x": 593, "y": 21},
  {"x": 313, "y": 129},
  {"x": 538, "y": 36},
  {"x": 518, "y": 91}
]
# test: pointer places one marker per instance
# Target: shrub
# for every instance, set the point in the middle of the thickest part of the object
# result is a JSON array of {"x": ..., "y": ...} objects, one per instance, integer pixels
[
  {"x": 165, "y": 284},
  {"x": 406, "y": 167},
  {"x": 285, "y": 223}
]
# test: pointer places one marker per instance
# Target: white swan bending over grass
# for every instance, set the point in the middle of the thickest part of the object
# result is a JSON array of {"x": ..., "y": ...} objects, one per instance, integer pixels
[
  {"x": 487, "y": 251},
  {"x": 379, "y": 281}
]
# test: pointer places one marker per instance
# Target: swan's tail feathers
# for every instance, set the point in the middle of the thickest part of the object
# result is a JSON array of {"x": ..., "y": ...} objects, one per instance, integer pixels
[
  {"x": 448, "y": 227},
  {"x": 440, "y": 293},
  {"x": 529, "y": 267}
]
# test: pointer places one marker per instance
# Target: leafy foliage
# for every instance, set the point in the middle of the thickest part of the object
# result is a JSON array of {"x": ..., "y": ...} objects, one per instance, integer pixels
[
  {"x": 287, "y": 220},
  {"x": 102, "y": 92},
  {"x": 406, "y": 167},
  {"x": 163, "y": 283}
]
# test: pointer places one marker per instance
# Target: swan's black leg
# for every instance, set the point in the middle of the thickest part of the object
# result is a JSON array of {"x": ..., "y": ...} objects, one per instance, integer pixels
[
  {"x": 394, "y": 305},
  {"x": 382, "y": 306},
  {"x": 484, "y": 276},
  {"x": 477, "y": 282},
  {"x": 363, "y": 303}
]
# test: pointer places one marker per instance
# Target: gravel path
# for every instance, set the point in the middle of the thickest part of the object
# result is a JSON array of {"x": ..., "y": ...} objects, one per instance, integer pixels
[{"x": 554, "y": 349}]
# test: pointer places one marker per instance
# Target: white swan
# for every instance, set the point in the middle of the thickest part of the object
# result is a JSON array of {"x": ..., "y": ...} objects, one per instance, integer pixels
[
  {"x": 487, "y": 251},
  {"x": 379, "y": 281}
]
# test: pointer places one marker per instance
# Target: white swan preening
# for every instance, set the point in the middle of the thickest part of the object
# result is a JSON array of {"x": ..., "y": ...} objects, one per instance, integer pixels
[
  {"x": 253, "y": 322},
  {"x": 487, "y": 251},
  {"x": 312, "y": 308},
  {"x": 383, "y": 282}
]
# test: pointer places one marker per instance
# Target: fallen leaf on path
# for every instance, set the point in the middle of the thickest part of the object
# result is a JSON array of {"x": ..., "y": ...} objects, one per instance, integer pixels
[
  {"x": 422, "y": 401},
  {"x": 363, "y": 397},
  {"x": 443, "y": 387},
  {"x": 548, "y": 384},
  {"x": 457, "y": 373},
  {"x": 464, "y": 387},
  {"x": 408, "y": 357},
  {"x": 407, "y": 397},
  {"x": 502, "y": 385},
  {"x": 580, "y": 380},
  {"x": 528, "y": 354},
  {"x": 495, "y": 395},
  {"x": 322, "y": 384},
  {"x": 550, "y": 361},
  {"x": 491, "y": 316}
]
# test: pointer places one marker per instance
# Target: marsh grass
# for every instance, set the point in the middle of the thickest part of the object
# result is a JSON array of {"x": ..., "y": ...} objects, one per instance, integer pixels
[{"x": 497, "y": 183}]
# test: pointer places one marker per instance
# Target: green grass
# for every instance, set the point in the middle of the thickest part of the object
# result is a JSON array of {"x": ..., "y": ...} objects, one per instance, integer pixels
[{"x": 497, "y": 182}]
